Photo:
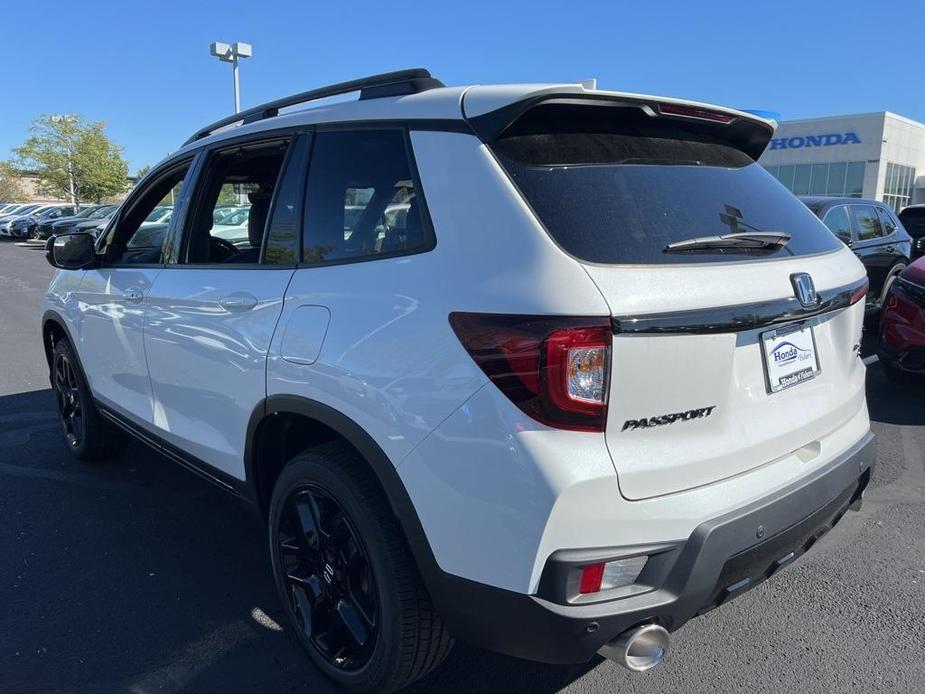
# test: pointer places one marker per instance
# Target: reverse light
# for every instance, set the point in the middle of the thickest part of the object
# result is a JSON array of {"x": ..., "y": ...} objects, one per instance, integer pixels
[{"x": 556, "y": 370}]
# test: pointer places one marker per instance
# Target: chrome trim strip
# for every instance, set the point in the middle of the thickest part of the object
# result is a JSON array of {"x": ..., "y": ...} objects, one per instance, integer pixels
[{"x": 738, "y": 318}]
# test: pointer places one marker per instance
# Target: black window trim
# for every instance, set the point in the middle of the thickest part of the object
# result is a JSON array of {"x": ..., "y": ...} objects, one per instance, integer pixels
[
  {"x": 302, "y": 138},
  {"x": 193, "y": 161},
  {"x": 207, "y": 153},
  {"x": 426, "y": 222},
  {"x": 883, "y": 211}
]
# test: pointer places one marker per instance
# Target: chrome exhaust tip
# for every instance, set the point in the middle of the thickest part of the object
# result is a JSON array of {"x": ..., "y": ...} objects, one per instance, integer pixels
[{"x": 638, "y": 649}]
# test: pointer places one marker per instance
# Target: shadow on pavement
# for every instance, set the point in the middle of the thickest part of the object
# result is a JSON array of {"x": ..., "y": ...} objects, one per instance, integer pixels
[
  {"x": 134, "y": 574},
  {"x": 895, "y": 404}
]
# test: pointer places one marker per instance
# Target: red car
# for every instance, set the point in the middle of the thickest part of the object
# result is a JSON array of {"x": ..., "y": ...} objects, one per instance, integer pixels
[{"x": 902, "y": 325}]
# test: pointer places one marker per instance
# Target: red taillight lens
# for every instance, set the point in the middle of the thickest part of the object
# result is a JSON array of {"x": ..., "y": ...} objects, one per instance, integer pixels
[
  {"x": 556, "y": 370},
  {"x": 860, "y": 292},
  {"x": 591, "y": 577}
]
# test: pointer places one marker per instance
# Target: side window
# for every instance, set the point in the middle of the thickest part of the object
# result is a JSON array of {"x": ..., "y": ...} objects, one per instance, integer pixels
[
  {"x": 867, "y": 221},
  {"x": 233, "y": 203},
  {"x": 283, "y": 236},
  {"x": 141, "y": 231},
  {"x": 361, "y": 200},
  {"x": 886, "y": 221},
  {"x": 836, "y": 219}
]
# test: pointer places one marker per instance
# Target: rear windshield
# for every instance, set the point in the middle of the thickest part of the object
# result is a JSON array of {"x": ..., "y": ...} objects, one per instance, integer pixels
[
  {"x": 614, "y": 185},
  {"x": 913, "y": 218}
]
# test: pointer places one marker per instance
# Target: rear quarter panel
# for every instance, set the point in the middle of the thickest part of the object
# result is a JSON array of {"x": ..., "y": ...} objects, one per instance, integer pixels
[{"x": 389, "y": 359}]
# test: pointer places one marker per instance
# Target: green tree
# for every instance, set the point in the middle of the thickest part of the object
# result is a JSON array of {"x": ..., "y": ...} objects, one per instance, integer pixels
[
  {"x": 74, "y": 159},
  {"x": 10, "y": 189}
]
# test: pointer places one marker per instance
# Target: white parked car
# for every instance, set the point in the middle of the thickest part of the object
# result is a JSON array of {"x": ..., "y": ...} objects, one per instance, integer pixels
[
  {"x": 19, "y": 212},
  {"x": 600, "y": 376}
]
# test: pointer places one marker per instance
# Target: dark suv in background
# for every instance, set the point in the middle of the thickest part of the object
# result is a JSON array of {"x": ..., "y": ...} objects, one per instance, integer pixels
[
  {"x": 913, "y": 219},
  {"x": 872, "y": 231}
]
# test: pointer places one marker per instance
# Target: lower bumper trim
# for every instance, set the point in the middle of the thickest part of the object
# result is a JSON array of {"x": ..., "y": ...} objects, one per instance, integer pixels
[{"x": 722, "y": 559}]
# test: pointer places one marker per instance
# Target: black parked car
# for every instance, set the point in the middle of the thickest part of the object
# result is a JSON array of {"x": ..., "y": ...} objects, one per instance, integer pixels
[
  {"x": 23, "y": 226},
  {"x": 66, "y": 225},
  {"x": 873, "y": 232},
  {"x": 94, "y": 226},
  {"x": 42, "y": 228},
  {"x": 913, "y": 219}
]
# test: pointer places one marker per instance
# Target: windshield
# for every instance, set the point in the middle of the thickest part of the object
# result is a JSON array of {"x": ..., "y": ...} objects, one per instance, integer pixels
[
  {"x": 157, "y": 213},
  {"x": 618, "y": 188},
  {"x": 101, "y": 212}
]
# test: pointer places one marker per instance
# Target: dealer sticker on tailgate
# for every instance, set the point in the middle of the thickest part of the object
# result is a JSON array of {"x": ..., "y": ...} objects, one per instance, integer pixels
[{"x": 790, "y": 356}]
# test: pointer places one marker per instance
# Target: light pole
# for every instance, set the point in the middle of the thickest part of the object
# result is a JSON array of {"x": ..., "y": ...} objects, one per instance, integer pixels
[
  {"x": 69, "y": 144},
  {"x": 230, "y": 53}
]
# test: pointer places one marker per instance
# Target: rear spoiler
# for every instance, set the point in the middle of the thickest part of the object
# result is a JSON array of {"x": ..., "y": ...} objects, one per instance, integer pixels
[{"x": 745, "y": 131}]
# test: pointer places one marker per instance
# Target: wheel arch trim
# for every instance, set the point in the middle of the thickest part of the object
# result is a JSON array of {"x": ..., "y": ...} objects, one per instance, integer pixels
[
  {"x": 52, "y": 316},
  {"x": 379, "y": 464}
]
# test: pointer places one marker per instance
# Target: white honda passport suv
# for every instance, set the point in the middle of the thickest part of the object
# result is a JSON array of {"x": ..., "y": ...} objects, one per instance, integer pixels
[{"x": 600, "y": 376}]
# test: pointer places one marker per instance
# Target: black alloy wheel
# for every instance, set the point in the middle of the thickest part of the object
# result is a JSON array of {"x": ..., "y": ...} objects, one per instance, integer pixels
[
  {"x": 330, "y": 582},
  {"x": 70, "y": 405}
]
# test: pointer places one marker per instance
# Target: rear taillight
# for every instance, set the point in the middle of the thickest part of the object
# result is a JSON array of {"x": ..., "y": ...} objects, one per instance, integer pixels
[
  {"x": 860, "y": 292},
  {"x": 557, "y": 370}
]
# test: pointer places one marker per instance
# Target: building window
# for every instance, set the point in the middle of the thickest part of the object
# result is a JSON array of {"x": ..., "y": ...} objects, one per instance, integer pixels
[
  {"x": 840, "y": 179},
  {"x": 897, "y": 193}
]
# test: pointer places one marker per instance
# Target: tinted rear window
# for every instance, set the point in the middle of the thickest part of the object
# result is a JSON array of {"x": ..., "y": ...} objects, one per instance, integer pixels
[
  {"x": 914, "y": 220},
  {"x": 614, "y": 185}
]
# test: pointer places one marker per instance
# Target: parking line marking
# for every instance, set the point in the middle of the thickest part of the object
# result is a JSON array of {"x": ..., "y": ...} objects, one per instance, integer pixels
[{"x": 872, "y": 359}]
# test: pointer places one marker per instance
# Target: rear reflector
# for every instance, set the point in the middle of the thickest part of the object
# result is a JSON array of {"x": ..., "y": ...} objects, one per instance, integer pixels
[
  {"x": 591, "y": 577},
  {"x": 556, "y": 370},
  {"x": 610, "y": 575}
]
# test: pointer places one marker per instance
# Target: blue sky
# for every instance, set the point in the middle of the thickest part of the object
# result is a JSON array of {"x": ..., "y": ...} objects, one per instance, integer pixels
[{"x": 145, "y": 69}]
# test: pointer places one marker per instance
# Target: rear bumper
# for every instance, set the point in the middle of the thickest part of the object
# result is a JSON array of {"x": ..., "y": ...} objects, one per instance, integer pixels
[{"x": 722, "y": 559}]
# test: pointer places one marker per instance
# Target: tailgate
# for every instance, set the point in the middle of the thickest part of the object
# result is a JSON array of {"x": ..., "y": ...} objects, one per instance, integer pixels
[{"x": 692, "y": 404}]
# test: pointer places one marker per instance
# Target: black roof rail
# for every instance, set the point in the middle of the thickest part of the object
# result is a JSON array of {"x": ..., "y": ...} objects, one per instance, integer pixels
[{"x": 372, "y": 87}]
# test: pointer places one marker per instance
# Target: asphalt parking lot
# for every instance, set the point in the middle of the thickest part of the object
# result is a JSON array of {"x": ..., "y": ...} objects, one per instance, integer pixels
[{"x": 136, "y": 576}]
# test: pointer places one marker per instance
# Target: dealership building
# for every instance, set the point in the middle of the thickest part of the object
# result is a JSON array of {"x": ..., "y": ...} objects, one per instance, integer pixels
[{"x": 868, "y": 155}]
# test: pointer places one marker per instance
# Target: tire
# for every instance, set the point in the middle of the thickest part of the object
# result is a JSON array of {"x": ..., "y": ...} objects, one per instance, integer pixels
[
  {"x": 895, "y": 271},
  {"x": 901, "y": 378},
  {"x": 894, "y": 375},
  {"x": 88, "y": 436},
  {"x": 358, "y": 561}
]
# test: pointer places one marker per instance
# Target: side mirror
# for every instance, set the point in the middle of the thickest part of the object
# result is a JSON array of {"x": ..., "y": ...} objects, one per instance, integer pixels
[{"x": 71, "y": 251}]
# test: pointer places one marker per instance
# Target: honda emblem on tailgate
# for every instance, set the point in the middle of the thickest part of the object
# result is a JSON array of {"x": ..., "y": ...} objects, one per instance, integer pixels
[{"x": 804, "y": 288}]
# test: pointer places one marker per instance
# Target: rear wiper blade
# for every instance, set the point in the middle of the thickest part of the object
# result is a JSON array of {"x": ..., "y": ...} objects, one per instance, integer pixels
[{"x": 742, "y": 239}]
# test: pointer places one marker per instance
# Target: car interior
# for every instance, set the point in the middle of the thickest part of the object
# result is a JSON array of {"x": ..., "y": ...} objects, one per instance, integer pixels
[
  {"x": 133, "y": 242},
  {"x": 250, "y": 171}
]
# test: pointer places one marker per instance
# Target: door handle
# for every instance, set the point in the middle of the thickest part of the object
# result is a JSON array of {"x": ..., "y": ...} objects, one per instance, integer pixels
[
  {"x": 240, "y": 301},
  {"x": 133, "y": 295}
]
